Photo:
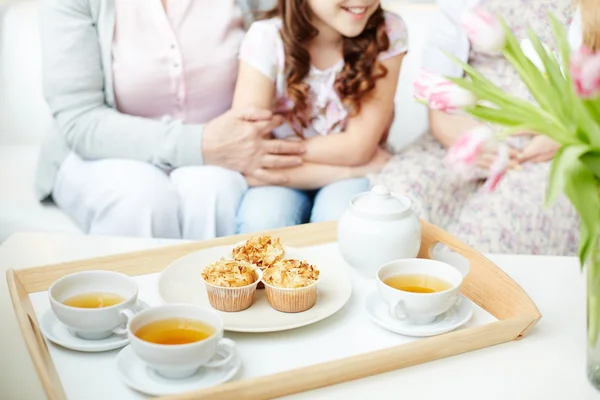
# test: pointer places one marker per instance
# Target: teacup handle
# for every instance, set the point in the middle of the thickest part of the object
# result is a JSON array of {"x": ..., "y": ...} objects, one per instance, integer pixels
[
  {"x": 227, "y": 346},
  {"x": 128, "y": 314},
  {"x": 399, "y": 311}
]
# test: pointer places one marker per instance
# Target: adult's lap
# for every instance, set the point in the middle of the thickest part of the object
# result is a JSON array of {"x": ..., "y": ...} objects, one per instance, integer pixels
[
  {"x": 511, "y": 219},
  {"x": 133, "y": 198}
]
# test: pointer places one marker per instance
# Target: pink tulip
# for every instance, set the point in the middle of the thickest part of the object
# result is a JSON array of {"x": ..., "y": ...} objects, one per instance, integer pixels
[
  {"x": 498, "y": 169},
  {"x": 450, "y": 98},
  {"x": 483, "y": 30},
  {"x": 585, "y": 70},
  {"x": 425, "y": 82},
  {"x": 463, "y": 154},
  {"x": 441, "y": 94}
]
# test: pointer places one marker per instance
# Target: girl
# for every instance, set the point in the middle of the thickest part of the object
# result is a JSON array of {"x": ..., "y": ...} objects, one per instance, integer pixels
[{"x": 331, "y": 68}]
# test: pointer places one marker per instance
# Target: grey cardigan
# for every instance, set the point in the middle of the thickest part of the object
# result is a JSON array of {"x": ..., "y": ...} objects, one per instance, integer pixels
[{"x": 76, "y": 40}]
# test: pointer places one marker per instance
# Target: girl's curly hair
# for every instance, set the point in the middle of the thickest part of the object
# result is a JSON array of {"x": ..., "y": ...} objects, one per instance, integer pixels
[{"x": 361, "y": 70}]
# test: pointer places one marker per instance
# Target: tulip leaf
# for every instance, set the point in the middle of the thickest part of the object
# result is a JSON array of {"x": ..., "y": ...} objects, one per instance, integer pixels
[
  {"x": 592, "y": 160},
  {"x": 496, "y": 116},
  {"x": 480, "y": 84},
  {"x": 563, "y": 161},
  {"x": 585, "y": 245},
  {"x": 526, "y": 127},
  {"x": 531, "y": 76},
  {"x": 554, "y": 74},
  {"x": 562, "y": 43},
  {"x": 484, "y": 89},
  {"x": 582, "y": 190}
]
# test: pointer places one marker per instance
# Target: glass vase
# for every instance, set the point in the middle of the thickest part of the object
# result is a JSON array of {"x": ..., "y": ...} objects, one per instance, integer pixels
[{"x": 593, "y": 319}]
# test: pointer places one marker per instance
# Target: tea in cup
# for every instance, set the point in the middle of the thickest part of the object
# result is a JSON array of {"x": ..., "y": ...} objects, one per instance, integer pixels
[
  {"x": 94, "y": 304},
  {"x": 419, "y": 290},
  {"x": 175, "y": 340}
]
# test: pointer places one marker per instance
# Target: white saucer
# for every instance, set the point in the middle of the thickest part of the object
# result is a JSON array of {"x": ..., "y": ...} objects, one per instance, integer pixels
[
  {"x": 457, "y": 316},
  {"x": 137, "y": 375},
  {"x": 58, "y": 333}
]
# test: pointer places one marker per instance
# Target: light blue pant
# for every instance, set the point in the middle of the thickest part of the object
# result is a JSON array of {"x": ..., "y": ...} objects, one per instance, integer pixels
[{"x": 271, "y": 207}]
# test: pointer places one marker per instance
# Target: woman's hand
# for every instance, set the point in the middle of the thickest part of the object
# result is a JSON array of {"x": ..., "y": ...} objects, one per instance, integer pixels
[
  {"x": 487, "y": 158},
  {"x": 240, "y": 140},
  {"x": 253, "y": 181},
  {"x": 540, "y": 149},
  {"x": 377, "y": 162}
]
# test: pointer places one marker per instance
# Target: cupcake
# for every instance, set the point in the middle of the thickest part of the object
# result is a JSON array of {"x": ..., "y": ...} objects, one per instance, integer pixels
[
  {"x": 262, "y": 251},
  {"x": 231, "y": 284},
  {"x": 291, "y": 285}
]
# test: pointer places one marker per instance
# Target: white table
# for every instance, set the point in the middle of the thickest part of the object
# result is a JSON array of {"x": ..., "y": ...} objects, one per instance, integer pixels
[{"x": 548, "y": 364}]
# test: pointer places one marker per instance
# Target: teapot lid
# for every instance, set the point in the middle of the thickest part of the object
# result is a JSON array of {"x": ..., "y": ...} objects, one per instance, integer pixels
[{"x": 379, "y": 203}]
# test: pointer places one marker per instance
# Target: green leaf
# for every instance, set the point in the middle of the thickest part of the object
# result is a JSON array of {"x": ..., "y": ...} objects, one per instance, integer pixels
[
  {"x": 585, "y": 245},
  {"x": 581, "y": 187},
  {"x": 486, "y": 89},
  {"x": 495, "y": 116},
  {"x": 555, "y": 76},
  {"x": 531, "y": 76},
  {"x": 562, "y": 43},
  {"x": 564, "y": 160},
  {"x": 514, "y": 130},
  {"x": 591, "y": 159},
  {"x": 589, "y": 131}
]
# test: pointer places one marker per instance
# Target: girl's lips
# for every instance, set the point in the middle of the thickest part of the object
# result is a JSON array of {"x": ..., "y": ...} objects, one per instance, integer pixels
[{"x": 356, "y": 12}]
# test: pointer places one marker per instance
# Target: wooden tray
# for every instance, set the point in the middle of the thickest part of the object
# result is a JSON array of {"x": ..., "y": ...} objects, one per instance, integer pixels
[{"x": 486, "y": 285}]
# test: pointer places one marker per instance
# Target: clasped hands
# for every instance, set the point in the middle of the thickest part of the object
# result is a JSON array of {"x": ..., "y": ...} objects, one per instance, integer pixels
[
  {"x": 540, "y": 149},
  {"x": 241, "y": 140}
]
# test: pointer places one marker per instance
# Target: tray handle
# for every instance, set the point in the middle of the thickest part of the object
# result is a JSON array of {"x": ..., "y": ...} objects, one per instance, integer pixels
[
  {"x": 485, "y": 282},
  {"x": 36, "y": 344}
]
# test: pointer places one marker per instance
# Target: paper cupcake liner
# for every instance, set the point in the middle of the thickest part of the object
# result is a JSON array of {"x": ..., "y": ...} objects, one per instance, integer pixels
[
  {"x": 292, "y": 300},
  {"x": 232, "y": 299}
]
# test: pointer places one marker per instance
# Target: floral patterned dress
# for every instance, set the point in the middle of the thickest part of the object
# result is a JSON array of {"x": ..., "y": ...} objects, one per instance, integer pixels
[
  {"x": 263, "y": 49},
  {"x": 513, "y": 218}
]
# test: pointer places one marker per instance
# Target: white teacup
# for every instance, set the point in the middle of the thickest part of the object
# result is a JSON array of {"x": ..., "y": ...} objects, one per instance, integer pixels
[
  {"x": 94, "y": 323},
  {"x": 419, "y": 308},
  {"x": 177, "y": 361}
]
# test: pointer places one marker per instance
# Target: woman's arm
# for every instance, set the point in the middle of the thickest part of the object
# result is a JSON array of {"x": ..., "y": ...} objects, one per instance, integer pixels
[
  {"x": 358, "y": 143},
  {"x": 307, "y": 176},
  {"x": 447, "y": 128},
  {"x": 314, "y": 176},
  {"x": 73, "y": 82}
]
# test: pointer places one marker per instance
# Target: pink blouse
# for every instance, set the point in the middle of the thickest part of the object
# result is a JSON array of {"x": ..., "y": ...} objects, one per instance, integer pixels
[{"x": 179, "y": 61}]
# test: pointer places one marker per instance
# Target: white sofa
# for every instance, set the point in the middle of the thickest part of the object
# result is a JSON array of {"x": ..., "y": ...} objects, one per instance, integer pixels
[{"x": 24, "y": 115}]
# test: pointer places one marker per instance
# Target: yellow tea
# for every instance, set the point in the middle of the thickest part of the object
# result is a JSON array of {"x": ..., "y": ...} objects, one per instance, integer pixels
[
  {"x": 418, "y": 283},
  {"x": 175, "y": 331},
  {"x": 94, "y": 300}
]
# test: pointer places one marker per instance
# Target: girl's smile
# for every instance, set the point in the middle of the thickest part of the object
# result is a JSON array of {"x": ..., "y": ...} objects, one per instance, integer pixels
[
  {"x": 346, "y": 17},
  {"x": 356, "y": 11}
]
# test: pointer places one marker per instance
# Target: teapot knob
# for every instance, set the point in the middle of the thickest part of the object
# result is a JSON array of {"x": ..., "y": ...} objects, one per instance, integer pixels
[{"x": 381, "y": 190}]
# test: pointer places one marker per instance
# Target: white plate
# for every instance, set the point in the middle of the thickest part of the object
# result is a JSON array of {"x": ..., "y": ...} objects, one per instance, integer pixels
[
  {"x": 452, "y": 319},
  {"x": 137, "y": 375},
  {"x": 181, "y": 282},
  {"x": 58, "y": 333}
]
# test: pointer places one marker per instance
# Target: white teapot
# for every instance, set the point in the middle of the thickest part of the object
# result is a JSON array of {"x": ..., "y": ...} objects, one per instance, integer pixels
[{"x": 378, "y": 227}]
